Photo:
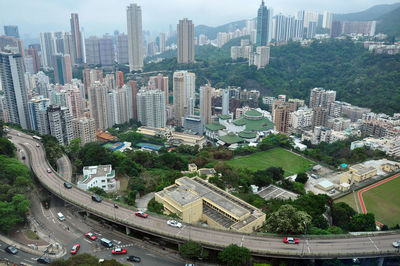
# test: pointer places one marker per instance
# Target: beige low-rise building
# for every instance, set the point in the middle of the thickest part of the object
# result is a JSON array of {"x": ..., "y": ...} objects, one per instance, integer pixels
[
  {"x": 195, "y": 200},
  {"x": 356, "y": 173}
]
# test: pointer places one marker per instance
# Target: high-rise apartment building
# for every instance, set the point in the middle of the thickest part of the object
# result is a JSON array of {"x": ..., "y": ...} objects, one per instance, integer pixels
[
  {"x": 311, "y": 29},
  {"x": 261, "y": 57},
  {"x": 85, "y": 129},
  {"x": 162, "y": 42},
  {"x": 122, "y": 49},
  {"x": 77, "y": 39},
  {"x": 327, "y": 20},
  {"x": 35, "y": 59},
  {"x": 119, "y": 79},
  {"x": 92, "y": 46},
  {"x": 106, "y": 47},
  {"x": 59, "y": 40},
  {"x": 263, "y": 28},
  {"x": 183, "y": 92},
  {"x": 336, "y": 29},
  {"x": 37, "y": 108},
  {"x": 62, "y": 68},
  {"x": 135, "y": 41},
  {"x": 69, "y": 46},
  {"x": 11, "y": 30},
  {"x": 98, "y": 104},
  {"x": 160, "y": 82},
  {"x": 14, "y": 88},
  {"x": 60, "y": 124},
  {"x": 205, "y": 103},
  {"x": 320, "y": 97},
  {"x": 90, "y": 76},
  {"x": 225, "y": 102},
  {"x": 282, "y": 117},
  {"x": 151, "y": 108},
  {"x": 320, "y": 116},
  {"x": 48, "y": 49},
  {"x": 132, "y": 86},
  {"x": 74, "y": 102},
  {"x": 185, "y": 30}
]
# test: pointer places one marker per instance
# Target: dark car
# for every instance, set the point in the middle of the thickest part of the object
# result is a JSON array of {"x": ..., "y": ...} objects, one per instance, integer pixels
[
  {"x": 67, "y": 185},
  {"x": 133, "y": 258},
  {"x": 96, "y": 198},
  {"x": 43, "y": 260},
  {"x": 11, "y": 250}
]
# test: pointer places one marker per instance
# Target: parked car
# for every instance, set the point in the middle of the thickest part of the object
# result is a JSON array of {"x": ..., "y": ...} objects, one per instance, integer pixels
[
  {"x": 11, "y": 250},
  {"x": 91, "y": 236},
  {"x": 43, "y": 260},
  {"x": 67, "y": 185},
  {"x": 49, "y": 170},
  {"x": 96, "y": 198},
  {"x": 174, "y": 223},
  {"x": 75, "y": 248},
  {"x": 133, "y": 258},
  {"x": 118, "y": 251},
  {"x": 141, "y": 214},
  {"x": 396, "y": 244},
  {"x": 291, "y": 240}
]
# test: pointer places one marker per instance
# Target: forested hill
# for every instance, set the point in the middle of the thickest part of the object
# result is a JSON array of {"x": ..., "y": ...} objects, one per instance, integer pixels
[
  {"x": 372, "y": 13},
  {"x": 359, "y": 77},
  {"x": 390, "y": 23}
]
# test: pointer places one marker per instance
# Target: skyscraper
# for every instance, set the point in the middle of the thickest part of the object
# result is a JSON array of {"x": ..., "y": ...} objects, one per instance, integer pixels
[
  {"x": 35, "y": 57},
  {"x": 11, "y": 30},
  {"x": 69, "y": 46},
  {"x": 14, "y": 87},
  {"x": 327, "y": 20},
  {"x": 183, "y": 92},
  {"x": 92, "y": 51},
  {"x": 37, "y": 107},
  {"x": 321, "y": 98},
  {"x": 132, "y": 85},
  {"x": 60, "y": 124},
  {"x": 122, "y": 49},
  {"x": 162, "y": 42},
  {"x": 74, "y": 102},
  {"x": 62, "y": 68},
  {"x": 185, "y": 30},
  {"x": 205, "y": 103},
  {"x": 48, "y": 48},
  {"x": 225, "y": 102},
  {"x": 263, "y": 20},
  {"x": 76, "y": 38},
  {"x": 107, "y": 55},
  {"x": 98, "y": 105},
  {"x": 160, "y": 82},
  {"x": 336, "y": 29},
  {"x": 151, "y": 108},
  {"x": 85, "y": 129},
  {"x": 282, "y": 117},
  {"x": 135, "y": 39}
]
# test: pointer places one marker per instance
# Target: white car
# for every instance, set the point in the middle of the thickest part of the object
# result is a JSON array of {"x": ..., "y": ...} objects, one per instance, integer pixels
[
  {"x": 396, "y": 244},
  {"x": 174, "y": 223}
]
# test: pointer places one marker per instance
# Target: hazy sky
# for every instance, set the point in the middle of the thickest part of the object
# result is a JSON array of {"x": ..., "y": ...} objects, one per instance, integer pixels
[{"x": 102, "y": 16}]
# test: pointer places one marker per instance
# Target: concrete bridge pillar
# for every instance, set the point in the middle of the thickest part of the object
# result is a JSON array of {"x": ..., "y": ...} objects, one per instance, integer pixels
[{"x": 128, "y": 230}]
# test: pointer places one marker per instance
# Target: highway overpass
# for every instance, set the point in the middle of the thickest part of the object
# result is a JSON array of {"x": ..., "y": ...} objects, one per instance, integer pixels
[{"x": 370, "y": 245}]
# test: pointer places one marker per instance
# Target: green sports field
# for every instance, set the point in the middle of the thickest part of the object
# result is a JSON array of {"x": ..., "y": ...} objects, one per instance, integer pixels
[
  {"x": 291, "y": 163},
  {"x": 384, "y": 202}
]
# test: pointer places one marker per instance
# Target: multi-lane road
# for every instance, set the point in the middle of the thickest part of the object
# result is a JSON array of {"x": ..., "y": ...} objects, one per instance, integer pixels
[{"x": 344, "y": 247}]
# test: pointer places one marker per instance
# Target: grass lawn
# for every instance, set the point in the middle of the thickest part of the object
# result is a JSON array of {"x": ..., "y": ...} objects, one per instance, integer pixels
[
  {"x": 384, "y": 202},
  {"x": 31, "y": 235},
  {"x": 350, "y": 200},
  {"x": 291, "y": 163}
]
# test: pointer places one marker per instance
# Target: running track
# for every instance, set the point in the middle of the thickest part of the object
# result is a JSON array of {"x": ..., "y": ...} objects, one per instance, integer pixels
[{"x": 360, "y": 197}]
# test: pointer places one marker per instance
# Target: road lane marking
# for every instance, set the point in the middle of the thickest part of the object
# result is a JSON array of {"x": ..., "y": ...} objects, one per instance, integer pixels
[
  {"x": 373, "y": 243},
  {"x": 308, "y": 247},
  {"x": 181, "y": 230},
  {"x": 241, "y": 242}
]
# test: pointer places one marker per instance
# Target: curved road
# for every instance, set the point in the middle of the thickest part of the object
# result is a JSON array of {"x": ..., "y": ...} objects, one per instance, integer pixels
[{"x": 373, "y": 245}]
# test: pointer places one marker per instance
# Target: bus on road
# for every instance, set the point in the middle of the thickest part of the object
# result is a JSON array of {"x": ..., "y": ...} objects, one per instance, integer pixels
[{"x": 37, "y": 138}]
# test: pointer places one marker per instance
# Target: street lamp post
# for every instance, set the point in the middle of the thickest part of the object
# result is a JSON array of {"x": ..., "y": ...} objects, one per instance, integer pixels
[{"x": 305, "y": 237}]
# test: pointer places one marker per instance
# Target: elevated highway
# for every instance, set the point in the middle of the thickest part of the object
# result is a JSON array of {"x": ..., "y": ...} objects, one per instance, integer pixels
[{"x": 370, "y": 245}]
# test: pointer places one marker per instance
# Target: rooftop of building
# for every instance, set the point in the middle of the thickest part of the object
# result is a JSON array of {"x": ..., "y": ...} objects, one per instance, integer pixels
[
  {"x": 207, "y": 171},
  {"x": 224, "y": 117},
  {"x": 247, "y": 134},
  {"x": 263, "y": 124},
  {"x": 215, "y": 127},
  {"x": 362, "y": 169},
  {"x": 104, "y": 135},
  {"x": 90, "y": 172},
  {"x": 253, "y": 113},
  {"x": 231, "y": 139}
]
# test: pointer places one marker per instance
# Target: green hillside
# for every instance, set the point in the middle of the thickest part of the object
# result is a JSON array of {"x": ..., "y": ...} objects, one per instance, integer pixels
[
  {"x": 372, "y": 13},
  {"x": 390, "y": 24},
  {"x": 211, "y": 32}
]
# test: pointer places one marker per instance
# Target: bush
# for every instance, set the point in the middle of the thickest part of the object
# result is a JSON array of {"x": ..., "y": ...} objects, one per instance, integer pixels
[
  {"x": 191, "y": 250},
  {"x": 155, "y": 206}
]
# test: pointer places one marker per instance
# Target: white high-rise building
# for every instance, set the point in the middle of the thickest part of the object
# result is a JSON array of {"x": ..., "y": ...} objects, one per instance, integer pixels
[
  {"x": 98, "y": 105},
  {"x": 151, "y": 108},
  {"x": 185, "y": 30},
  {"x": 205, "y": 103},
  {"x": 183, "y": 91},
  {"x": 261, "y": 57},
  {"x": 37, "y": 114},
  {"x": 327, "y": 20},
  {"x": 135, "y": 37},
  {"x": 14, "y": 88},
  {"x": 162, "y": 41},
  {"x": 60, "y": 124},
  {"x": 122, "y": 49},
  {"x": 48, "y": 49},
  {"x": 225, "y": 102}
]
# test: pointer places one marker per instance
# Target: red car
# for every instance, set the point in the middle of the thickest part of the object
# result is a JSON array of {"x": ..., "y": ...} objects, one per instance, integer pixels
[
  {"x": 91, "y": 236},
  {"x": 118, "y": 251},
  {"x": 141, "y": 214},
  {"x": 49, "y": 170},
  {"x": 290, "y": 240},
  {"x": 75, "y": 249}
]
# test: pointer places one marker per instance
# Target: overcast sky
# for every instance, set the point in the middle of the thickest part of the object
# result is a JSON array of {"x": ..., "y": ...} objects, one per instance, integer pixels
[{"x": 105, "y": 16}]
